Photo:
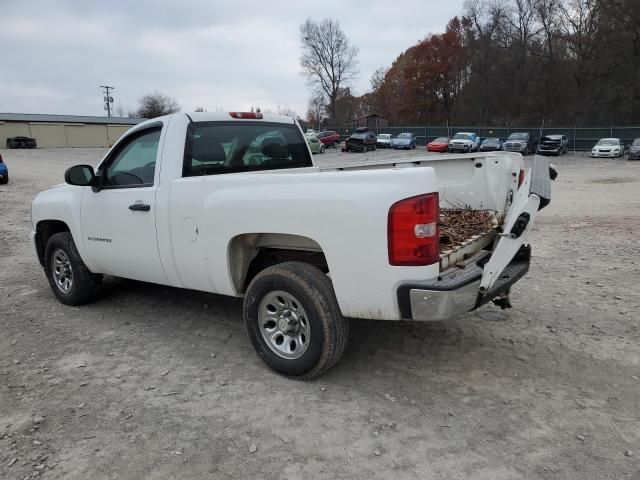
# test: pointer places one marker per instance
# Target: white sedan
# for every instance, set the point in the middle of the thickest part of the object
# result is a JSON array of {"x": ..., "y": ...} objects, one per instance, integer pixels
[{"x": 608, "y": 147}]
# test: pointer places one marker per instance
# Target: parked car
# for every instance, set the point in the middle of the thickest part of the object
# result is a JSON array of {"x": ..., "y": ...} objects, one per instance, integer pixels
[
  {"x": 634, "y": 150},
  {"x": 464, "y": 142},
  {"x": 329, "y": 138},
  {"x": 21, "y": 142},
  {"x": 553, "y": 145},
  {"x": 383, "y": 140},
  {"x": 608, "y": 147},
  {"x": 405, "y": 141},
  {"x": 297, "y": 242},
  {"x": 315, "y": 144},
  {"x": 362, "y": 140},
  {"x": 491, "y": 144},
  {"x": 4, "y": 171},
  {"x": 521, "y": 142},
  {"x": 440, "y": 144}
]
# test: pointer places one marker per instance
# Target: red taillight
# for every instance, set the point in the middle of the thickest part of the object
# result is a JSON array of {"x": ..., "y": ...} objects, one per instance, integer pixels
[
  {"x": 413, "y": 232},
  {"x": 521, "y": 177},
  {"x": 249, "y": 115}
]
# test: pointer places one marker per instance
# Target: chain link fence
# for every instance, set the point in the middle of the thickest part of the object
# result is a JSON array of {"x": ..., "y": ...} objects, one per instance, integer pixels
[{"x": 580, "y": 138}]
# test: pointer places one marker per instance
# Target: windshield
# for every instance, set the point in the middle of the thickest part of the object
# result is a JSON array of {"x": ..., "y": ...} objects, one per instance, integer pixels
[
  {"x": 441, "y": 140},
  {"x": 551, "y": 139},
  {"x": 491, "y": 140},
  {"x": 404, "y": 135},
  {"x": 463, "y": 136},
  {"x": 518, "y": 136},
  {"x": 384, "y": 136},
  {"x": 608, "y": 141}
]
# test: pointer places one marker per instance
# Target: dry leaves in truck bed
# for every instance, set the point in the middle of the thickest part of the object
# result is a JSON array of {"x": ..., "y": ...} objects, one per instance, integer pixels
[{"x": 459, "y": 225}]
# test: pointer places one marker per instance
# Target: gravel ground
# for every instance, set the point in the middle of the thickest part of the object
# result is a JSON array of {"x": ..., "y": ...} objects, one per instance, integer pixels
[{"x": 155, "y": 382}]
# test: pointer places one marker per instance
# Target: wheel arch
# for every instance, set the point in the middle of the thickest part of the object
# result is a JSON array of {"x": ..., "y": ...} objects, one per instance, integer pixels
[
  {"x": 45, "y": 229},
  {"x": 250, "y": 253}
]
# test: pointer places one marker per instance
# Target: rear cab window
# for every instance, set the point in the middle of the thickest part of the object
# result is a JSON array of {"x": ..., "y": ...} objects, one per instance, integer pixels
[{"x": 214, "y": 148}]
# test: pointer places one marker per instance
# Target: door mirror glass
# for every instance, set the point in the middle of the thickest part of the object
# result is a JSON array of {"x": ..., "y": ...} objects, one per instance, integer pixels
[{"x": 81, "y": 175}]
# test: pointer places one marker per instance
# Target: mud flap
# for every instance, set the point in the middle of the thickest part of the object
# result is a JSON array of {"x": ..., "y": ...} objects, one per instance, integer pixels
[{"x": 533, "y": 195}]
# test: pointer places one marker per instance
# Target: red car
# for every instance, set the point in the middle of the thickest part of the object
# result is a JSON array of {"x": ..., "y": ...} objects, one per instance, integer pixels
[
  {"x": 440, "y": 144},
  {"x": 329, "y": 138}
]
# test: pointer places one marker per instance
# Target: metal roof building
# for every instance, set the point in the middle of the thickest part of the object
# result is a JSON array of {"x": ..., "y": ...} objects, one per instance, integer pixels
[{"x": 64, "y": 130}]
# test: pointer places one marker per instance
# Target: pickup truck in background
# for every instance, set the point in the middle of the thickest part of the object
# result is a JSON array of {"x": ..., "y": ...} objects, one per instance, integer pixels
[
  {"x": 521, "y": 142},
  {"x": 464, "y": 142},
  {"x": 232, "y": 203}
]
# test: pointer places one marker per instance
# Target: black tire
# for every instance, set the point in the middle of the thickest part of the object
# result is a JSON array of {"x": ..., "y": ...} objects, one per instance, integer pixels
[
  {"x": 84, "y": 285},
  {"x": 336, "y": 145},
  {"x": 5, "y": 179},
  {"x": 328, "y": 329}
]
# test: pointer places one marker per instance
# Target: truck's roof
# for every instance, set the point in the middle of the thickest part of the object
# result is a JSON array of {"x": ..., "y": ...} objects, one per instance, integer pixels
[
  {"x": 218, "y": 117},
  {"x": 225, "y": 116}
]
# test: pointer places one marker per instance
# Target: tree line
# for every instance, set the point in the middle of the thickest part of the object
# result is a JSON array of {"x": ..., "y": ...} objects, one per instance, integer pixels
[{"x": 501, "y": 62}]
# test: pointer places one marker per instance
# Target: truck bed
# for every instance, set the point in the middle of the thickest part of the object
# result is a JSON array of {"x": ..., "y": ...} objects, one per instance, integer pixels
[{"x": 474, "y": 190}]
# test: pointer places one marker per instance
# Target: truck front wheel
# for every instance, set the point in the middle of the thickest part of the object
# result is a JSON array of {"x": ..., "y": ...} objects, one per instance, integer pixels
[
  {"x": 71, "y": 281},
  {"x": 293, "y": 320}
]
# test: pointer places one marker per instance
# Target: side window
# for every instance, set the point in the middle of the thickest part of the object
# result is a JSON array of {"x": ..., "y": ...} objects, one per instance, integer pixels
[{"x": 135, "y": 163}]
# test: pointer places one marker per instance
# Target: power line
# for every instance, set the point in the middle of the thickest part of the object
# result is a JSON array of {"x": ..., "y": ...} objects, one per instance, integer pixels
[{"x": 108, "y": 99}]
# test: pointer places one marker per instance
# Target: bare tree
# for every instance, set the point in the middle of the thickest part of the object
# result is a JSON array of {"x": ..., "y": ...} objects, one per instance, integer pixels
[
  {"x": 200, "y": 109},
  {"x": 156, "y": 104},
  {"x": 377, "y": 79},
  {"x": 328, "y": 59},
  {"x": 316, "y": 109},
  {"x": 119, "y": 110}
]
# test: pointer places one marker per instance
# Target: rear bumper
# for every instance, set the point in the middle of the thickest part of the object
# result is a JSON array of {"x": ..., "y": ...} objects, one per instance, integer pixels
[{"x": 456, "y": 291}]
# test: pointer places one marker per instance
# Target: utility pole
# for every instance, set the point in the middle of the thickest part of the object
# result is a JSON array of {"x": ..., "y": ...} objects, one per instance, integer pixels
[{"x": 108, "y": 99}]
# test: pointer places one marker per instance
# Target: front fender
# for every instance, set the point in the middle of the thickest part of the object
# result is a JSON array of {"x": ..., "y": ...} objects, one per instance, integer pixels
[{"x": 61, "y": 203}]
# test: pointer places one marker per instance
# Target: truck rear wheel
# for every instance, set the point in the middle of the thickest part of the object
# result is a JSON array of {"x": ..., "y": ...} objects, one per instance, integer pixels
[
  {"x": 293, "y": 320},
  {"x": 71, "y": 281}
]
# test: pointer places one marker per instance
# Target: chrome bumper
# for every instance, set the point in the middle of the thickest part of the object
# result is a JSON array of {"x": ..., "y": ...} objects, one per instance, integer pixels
[{"x": 456, "y": 290}]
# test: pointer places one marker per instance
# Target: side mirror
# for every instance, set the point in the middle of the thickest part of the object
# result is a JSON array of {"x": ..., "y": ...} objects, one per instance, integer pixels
[{"x": 81, "y": 175}]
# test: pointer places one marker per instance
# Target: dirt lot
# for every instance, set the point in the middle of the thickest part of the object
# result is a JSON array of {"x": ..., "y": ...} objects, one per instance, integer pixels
[{"x": 155, "y": 382}]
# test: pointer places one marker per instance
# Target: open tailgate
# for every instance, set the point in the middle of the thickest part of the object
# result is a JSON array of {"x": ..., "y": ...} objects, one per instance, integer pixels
[{"x": 533, "y": 195}]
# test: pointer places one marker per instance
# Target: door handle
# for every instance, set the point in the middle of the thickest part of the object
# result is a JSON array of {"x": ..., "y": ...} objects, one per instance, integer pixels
[{"x": 140, "y": 207}]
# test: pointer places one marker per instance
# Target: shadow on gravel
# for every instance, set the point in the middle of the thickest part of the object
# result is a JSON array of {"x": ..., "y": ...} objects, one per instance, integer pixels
[{"x": 397, "y": 341}]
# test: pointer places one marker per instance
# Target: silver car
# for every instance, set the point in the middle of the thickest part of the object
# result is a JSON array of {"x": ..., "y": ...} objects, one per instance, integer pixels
[{"x": 608, "y": 147}]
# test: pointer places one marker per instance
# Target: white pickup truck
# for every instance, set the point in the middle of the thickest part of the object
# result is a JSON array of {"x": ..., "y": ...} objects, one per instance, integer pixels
[{"x": 233, "y": 204}]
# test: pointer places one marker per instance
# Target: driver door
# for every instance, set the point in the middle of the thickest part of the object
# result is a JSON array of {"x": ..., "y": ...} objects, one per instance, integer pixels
[{"x": 118, "y": 221}]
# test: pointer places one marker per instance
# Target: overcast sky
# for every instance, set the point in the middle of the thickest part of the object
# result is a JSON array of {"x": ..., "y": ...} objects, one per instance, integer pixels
[{"x": 220, "y": 55}]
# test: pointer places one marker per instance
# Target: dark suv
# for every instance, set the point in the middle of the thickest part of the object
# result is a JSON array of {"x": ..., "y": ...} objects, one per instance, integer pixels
[
  {"x": 329, "y": 138},
  {"x": 553, "y": 145},
  {"x": 361, "y": 140}
]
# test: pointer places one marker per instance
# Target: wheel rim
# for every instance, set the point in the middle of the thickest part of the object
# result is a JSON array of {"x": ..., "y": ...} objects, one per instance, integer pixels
[
  {"x": 61, "y": 270},
  {"x": 284, "y": 324}
]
